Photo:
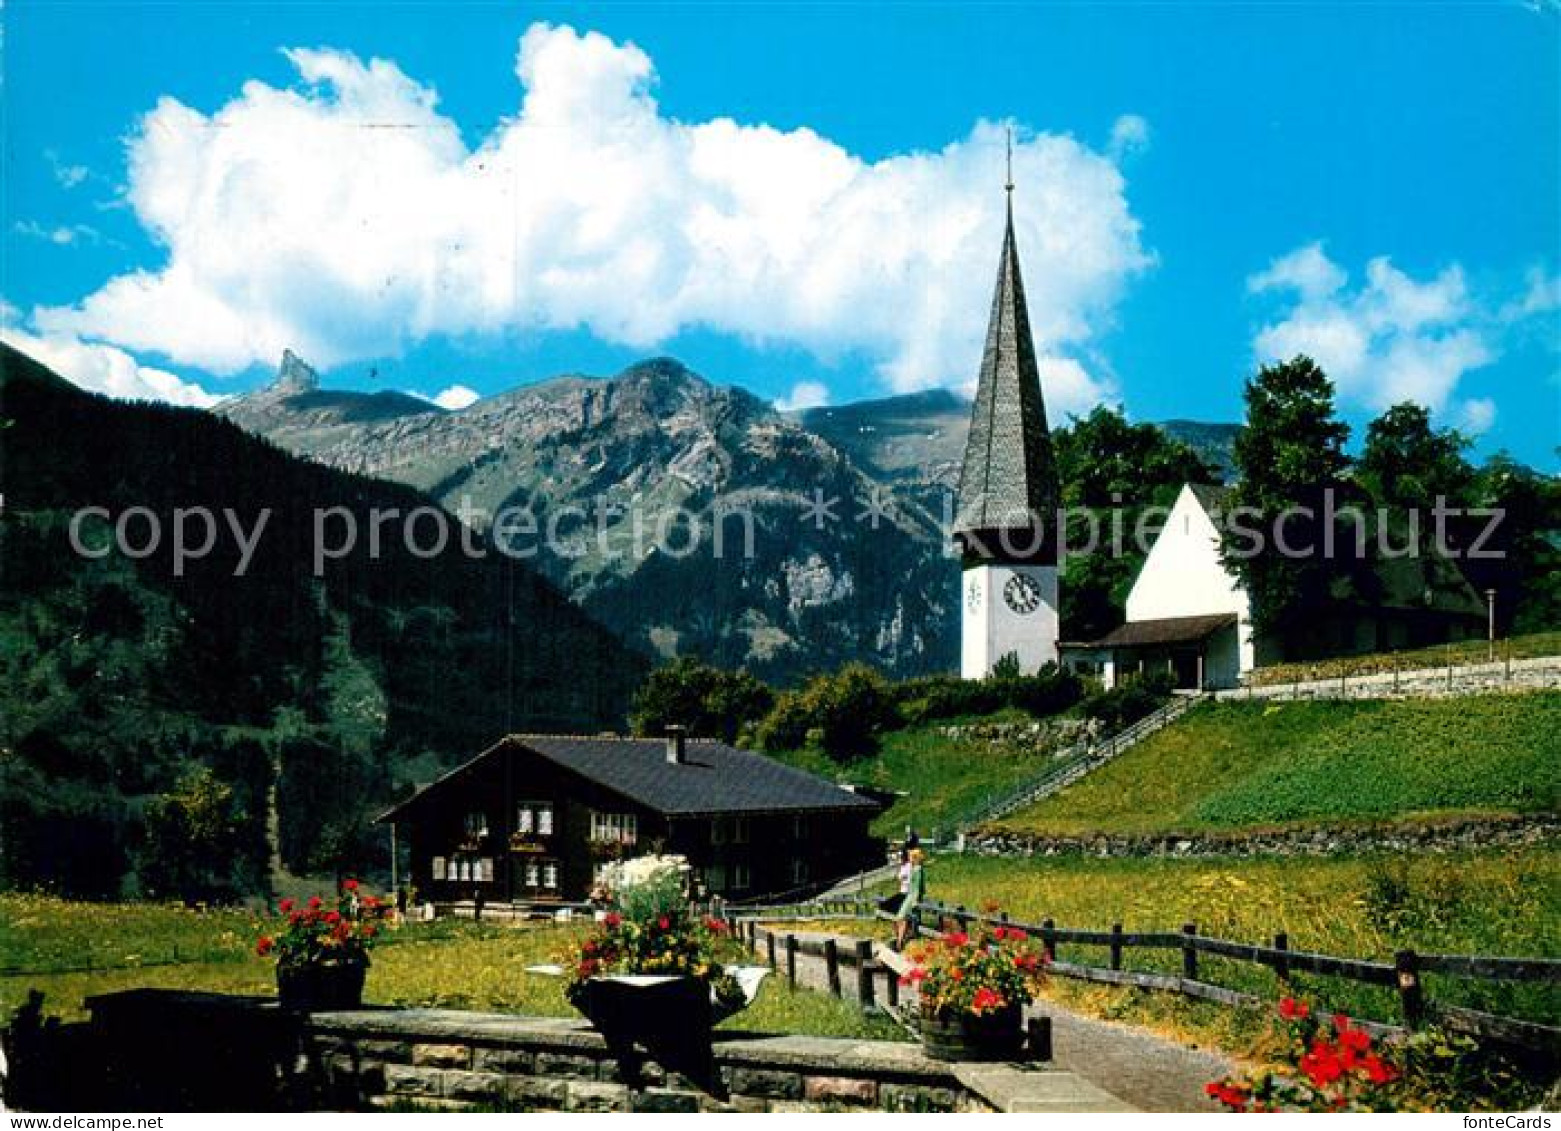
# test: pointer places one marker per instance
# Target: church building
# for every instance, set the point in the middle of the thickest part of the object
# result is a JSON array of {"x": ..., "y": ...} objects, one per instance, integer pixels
[
  {"x": 1189, "y": 615},
  {"x": 1008, "y": 494}
]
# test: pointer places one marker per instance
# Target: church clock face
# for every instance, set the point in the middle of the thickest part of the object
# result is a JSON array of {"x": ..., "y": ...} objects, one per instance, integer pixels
[
  {"x": 973, "y": 595},
  {"x": 1022, "y": 594}
]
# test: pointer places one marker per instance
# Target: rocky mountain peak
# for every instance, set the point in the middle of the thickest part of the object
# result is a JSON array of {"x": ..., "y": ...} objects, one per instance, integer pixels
[{"x": 295, "y": 375}]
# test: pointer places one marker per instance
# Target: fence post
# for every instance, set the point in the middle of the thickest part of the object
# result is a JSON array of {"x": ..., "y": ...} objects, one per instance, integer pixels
[
  {"x": 864, "y": 974},
  {"x": 769, "y": 948},
  {"x": 1116, "y": 946},
  {"x": 1049, "y": 940},
  {"x": 1189, "y": 955},
  {"x": 962, "y": 918},
  {"x": 791, "y": 960},
  {"x": 832, "y": 966},
  {"x": 891, "y": 987},
  {"x": 1282, "y": 965},
  {"x": 1411, "y": 994}
]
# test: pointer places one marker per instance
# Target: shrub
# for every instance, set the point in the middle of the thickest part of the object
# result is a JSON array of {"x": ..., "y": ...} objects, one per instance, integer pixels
[
  {"x": 711, "y": 702},
  {"x": 930, "y": 698},
  {"x": 848, "y": 710},
  {"x": 1128, "y": 702}
]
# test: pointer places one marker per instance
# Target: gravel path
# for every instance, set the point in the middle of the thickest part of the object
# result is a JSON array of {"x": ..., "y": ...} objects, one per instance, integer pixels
[{"x": 1151, "y": 1072}]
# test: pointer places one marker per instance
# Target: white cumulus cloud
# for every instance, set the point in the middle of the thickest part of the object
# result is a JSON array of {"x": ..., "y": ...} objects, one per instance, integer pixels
[
  {"x": 1390, "y": 338},
  {"x": 104, "y": 369},
  {"x": 804, "y": 394},
  {"x": 347, "y": 218},
  {"x": 1129, "y": 135},
  {"x": 456, "y": 397}
]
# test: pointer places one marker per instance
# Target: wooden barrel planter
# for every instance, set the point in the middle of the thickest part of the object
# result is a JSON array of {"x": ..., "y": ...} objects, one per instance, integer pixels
[
  {"x": 316, "y": 986},
  {"x": 948, "y": 1035}
]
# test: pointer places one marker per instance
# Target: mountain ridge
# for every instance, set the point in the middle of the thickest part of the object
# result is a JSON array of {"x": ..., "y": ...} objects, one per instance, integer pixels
[{"x": 658, "y": 439}]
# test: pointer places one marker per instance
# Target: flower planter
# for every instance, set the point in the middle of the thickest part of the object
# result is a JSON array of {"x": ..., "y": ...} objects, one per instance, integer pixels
[
  {"x": 948, "y": 1035},
  {"x": 638, "y": 1006},
  {"x": 317, "y": 986}
]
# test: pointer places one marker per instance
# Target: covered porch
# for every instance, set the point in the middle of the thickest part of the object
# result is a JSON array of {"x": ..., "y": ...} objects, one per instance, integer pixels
[{"x": 1199, "y": 652}]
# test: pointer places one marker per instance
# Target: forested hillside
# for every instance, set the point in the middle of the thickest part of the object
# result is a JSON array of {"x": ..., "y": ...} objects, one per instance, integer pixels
[{"x": 148, "y": 720}]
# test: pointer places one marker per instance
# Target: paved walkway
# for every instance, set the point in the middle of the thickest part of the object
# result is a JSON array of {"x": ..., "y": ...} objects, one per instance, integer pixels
[{"x": 1148, "y": 1071}]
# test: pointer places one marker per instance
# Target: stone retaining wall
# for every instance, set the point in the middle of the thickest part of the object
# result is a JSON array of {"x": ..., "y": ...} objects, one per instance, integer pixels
[
  {"x": 1447, "y": 836},
  {"x": 444, "y": 1058},
  {"x": 1541, "y": 673}
]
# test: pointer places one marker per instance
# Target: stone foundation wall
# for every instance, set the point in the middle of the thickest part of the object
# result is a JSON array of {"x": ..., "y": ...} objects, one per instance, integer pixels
[
  {"x": 447, "y": 1059},
  {"x": 171, "y": 1050},
  {"x": 1540, "y": 674},
  {"x": 1448, "y": 836}
]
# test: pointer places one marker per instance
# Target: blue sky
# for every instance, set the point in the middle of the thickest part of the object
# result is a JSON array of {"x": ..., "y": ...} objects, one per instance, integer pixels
[{"x": 805, "y": 200}]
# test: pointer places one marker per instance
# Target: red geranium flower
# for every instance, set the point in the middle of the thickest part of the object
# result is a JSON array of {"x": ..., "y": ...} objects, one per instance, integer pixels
[
  {"x": 1292, "y": 1010},
  {"x": 956, "y": 938},
  {"x": 1378, "y": 1072},
  {"x": 285, "y": 906},
  {"x": 986, "y": 999},
  {"x": 613, "y": 919},
  {"x": 263, "y": 947},
  {"x": 349, "y": 885},
  {"x": 664, "y": 923},
  {"x": 314, "y": 902}
]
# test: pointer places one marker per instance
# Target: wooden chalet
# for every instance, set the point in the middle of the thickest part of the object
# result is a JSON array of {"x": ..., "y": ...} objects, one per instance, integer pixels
[{"x": 532, "y": 820}]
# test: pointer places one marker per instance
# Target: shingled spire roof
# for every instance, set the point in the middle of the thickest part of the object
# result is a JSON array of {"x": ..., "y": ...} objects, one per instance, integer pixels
[{"x": 1009, "y": 477}]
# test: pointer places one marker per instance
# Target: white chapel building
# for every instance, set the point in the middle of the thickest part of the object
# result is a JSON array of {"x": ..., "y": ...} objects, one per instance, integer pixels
[{"x": 1186, "y": 613}]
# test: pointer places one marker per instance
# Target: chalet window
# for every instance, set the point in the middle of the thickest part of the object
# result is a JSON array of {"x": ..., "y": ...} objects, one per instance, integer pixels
[
  {"x": 718, "y": 831},
  {"x": 799, "y": 872},
  {"x": 715, "y": 877},
  {"x": 533, "y": 875},
  {"x": 741, "y": 880},
  {"x": 799, "y": 827},
  {"x": 463, "y": 869},
  {"x": 550, "y": 875},
  {"x": 534, "y": 817},
  {"x": 739, "y": 830},
  {"x": 614, "y": 828},
  {"x": 476, "y": 824}
]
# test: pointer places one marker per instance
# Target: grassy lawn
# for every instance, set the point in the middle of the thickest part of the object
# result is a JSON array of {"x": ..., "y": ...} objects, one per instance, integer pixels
[
  {"x": 1463, "y": 652},
  {"x": 943, "y": 778},
  {"x": 1494, "y": 903},
  {"x": 1238, "y": 765},
  {"x": 45, "y": 943}
]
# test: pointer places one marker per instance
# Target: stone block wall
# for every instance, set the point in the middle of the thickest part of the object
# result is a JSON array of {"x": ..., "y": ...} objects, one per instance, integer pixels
[{"x": 447, "y": 1059}]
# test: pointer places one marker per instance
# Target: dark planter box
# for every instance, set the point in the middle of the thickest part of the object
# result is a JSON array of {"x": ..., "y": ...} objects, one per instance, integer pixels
[
  {"x": 967, "y": 1036},
  {"x": 321, "y": 986}
]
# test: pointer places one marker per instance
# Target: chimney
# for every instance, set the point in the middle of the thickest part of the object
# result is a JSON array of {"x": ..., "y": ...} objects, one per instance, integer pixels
[{"x": 676, "y": 742}]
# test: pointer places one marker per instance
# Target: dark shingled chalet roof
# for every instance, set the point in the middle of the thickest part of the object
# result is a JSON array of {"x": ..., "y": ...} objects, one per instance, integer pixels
[
  {"x": 1009, "y": 473},
  {"x": 712, "y": 778},
  {"x": 1167, "y": 630}
]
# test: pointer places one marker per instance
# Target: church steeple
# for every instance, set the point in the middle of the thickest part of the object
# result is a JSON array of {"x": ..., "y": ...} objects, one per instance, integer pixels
[{"x": 1008, "y": 481}]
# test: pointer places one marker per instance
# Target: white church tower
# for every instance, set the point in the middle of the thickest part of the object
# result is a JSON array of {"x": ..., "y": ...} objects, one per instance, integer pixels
[{"x": 1008, "y": 494}]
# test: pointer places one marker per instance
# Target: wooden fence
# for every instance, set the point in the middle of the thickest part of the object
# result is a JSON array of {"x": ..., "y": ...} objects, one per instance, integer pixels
[{"x": 1404, "y": 975}]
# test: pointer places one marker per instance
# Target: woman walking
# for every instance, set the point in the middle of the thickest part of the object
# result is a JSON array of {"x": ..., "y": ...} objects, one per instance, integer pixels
[{"x": 906, "y": 919}]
